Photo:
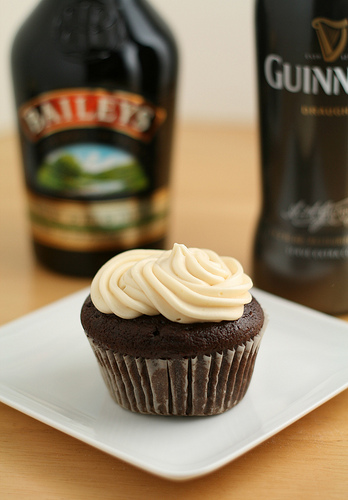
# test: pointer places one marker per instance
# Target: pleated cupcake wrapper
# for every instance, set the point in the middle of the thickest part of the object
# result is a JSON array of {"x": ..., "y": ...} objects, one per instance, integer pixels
[
  {"x": 203, "y": 385},
  {"x": 200, "y": 385}
]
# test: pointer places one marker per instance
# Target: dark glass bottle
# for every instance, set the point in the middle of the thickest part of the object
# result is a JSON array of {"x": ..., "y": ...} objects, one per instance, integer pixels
[
  {"x": 95, "y": 86},
  {"x": 301, "y": 244}
]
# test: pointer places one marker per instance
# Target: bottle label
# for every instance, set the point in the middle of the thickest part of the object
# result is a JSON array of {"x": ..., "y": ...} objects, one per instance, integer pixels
[
  {"x": 309, "y": 78},
  {"x": 320, "y": 215},
  {"x": 80, "y": 170},
  {"x": 91, "y": 184},
  {"x": 321, "y": 230},
  {"x": 124, "y": 112},
  {"x": 100, "y": 225},
  {"x": 304, "y": 246}
]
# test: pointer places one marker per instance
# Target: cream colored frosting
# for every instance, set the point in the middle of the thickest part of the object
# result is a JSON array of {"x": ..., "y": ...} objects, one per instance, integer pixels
[{"x": 185, "y": 285}]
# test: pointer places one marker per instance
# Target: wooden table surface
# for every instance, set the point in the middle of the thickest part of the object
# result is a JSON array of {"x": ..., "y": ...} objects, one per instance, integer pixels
[{"x": 216, "y": 197}]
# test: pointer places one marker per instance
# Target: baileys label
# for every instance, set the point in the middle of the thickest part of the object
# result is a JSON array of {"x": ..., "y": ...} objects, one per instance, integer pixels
[{"x": 123, "y": 112}]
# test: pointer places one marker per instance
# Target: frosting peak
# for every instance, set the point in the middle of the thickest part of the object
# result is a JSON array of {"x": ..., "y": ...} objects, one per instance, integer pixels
[{"x": 186, "y": 285}]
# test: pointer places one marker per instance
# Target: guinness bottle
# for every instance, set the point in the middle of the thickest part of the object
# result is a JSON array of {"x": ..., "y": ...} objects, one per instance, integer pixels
[
  {"x": 301, "y": 244},
  {"x": 95, "y": 86}
]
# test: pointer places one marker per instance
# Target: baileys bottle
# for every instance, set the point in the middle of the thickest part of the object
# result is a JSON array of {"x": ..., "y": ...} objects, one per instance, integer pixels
[{"x": 95, "y": 88}]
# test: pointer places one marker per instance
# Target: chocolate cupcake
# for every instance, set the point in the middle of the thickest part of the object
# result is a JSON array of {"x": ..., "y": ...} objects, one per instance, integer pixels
[{"x": 174, "y": 332}]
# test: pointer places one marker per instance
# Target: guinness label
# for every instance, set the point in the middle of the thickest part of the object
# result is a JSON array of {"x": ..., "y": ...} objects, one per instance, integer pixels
[{"x": 313, "y": 79}]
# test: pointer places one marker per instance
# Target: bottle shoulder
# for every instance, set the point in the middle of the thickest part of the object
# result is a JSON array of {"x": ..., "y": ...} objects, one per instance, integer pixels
[
  {"x": 76, "y": 44},
  {"x": 93, "y": 29}
]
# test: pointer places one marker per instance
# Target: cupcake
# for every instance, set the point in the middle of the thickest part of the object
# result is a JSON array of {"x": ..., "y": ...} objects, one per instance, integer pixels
[{"x": 175, "y": 332}]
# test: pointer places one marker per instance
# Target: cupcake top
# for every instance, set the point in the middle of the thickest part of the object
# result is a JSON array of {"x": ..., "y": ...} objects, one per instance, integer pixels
[{"x": 185, "y": 285}]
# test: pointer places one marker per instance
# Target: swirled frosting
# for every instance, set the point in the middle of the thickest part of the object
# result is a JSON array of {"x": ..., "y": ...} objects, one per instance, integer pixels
[{"x": 186, "y": 285}]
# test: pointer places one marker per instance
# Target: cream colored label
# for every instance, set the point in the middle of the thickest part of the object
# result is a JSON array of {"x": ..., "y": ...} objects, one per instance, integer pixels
[
  {"x": 186, "y": 285},
  {"x": 98, "y": 225}
]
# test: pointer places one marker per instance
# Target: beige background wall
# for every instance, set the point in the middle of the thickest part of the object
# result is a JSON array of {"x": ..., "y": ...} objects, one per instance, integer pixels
[{"x": 216, "y": 39}]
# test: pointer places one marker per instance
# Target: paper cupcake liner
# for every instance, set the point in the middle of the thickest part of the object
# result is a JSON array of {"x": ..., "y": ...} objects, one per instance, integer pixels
[{"x": 200, "y": 385}]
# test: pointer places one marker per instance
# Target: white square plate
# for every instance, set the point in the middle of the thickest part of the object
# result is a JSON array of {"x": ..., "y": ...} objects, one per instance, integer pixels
[{"x": 48, "y": 371}]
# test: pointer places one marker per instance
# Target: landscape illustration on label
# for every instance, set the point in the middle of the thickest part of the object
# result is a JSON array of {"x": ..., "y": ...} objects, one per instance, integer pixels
[{"x": 91, "y": 169}]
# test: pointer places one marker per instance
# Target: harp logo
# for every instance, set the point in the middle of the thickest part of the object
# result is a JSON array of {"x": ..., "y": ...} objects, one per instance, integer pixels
[
  {"x": 314, "y": 79},
  {"x": 332, "y": 36}
]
